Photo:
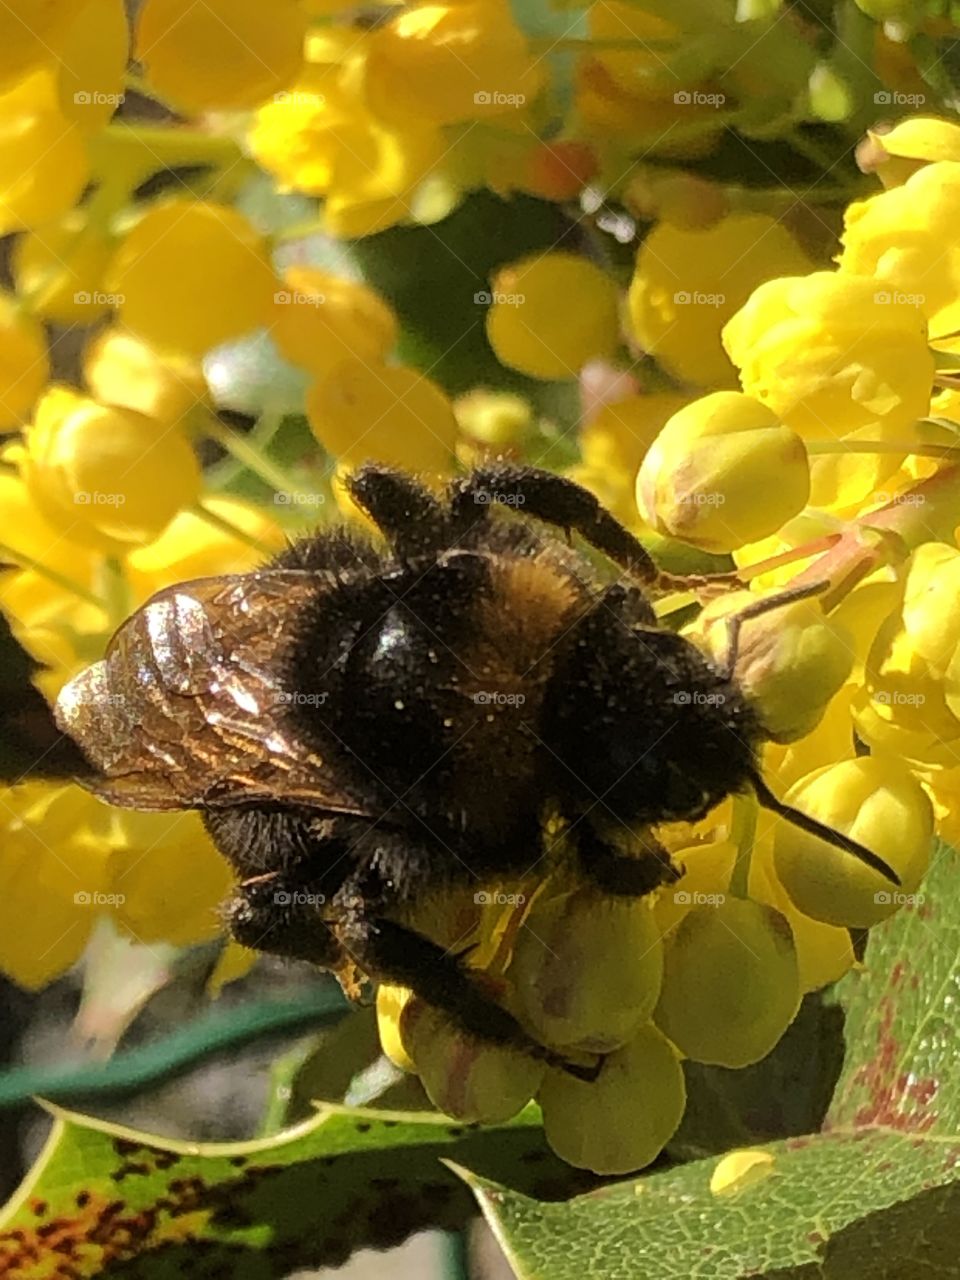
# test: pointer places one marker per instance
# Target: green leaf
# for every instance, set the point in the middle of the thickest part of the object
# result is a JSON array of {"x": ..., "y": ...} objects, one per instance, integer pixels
[
  {"x": 874, "y": 1195},
  {"x": 102, "y": 1200}
]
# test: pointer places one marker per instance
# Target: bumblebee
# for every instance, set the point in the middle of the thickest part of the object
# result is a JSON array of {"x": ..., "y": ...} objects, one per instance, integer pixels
[{"x": 361, "y": 725}]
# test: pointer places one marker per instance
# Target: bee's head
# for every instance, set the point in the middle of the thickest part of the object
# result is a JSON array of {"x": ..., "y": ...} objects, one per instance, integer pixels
[{"x": 645, "y": 726}]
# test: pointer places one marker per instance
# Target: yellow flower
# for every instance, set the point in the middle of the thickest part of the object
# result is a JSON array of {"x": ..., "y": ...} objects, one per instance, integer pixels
[
  {"x": 387, "y": 413},
  {"x": 877, "y": 802},
  {"x": 106, "y": 477},
  {"x": 321, "y": 319},
  {"x": 192, "y": 274},
  {"x": 730, "y": 982},
  {"x": 687, "y": 285},
  {"x": 599, "y": 1125},
  {"x": 221, "y": 53},
  {"x": 320, "y": 138},
  {"x": 190, "y": 547},
  {"x": 27, "y": 595},
  {"x": 122, "y": 370},
  {"x": 790, "y": 661},
  {"x": 832, "y": 355},
  {"x": 24, "y": 363},
  {"x": 49, "y": 876},
  {"x": 531, "y": 324},
  {"x": 586, "y": 969},
  {"x": 29, "y": 29},
  {"x": 723, "y": 472},
  {"x": 91, "y": 62},
  {"x": 43, "y": 157},
  {"x": 905, "y": 240},
  {"x": 451, "y": 62}
]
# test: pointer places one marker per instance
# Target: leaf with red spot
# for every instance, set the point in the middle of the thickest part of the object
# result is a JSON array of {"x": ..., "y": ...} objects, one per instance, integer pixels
[{"x": 103, "y": 1200}]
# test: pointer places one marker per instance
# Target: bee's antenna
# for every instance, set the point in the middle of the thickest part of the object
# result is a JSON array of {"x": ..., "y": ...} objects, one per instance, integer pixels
[{"x": 806, "y": 823}]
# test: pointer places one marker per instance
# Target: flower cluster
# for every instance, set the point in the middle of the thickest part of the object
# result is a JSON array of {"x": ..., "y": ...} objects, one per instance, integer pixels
[{"x": 750, "y": 391}]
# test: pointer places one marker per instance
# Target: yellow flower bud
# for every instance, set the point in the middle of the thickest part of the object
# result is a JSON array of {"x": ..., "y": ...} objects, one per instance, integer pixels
[
  {"x": 831, "y": 352},
  {"x": 321, "y": 319},
  {"x": 24, "y": 363},
  {"x": 790, "y": 661},
  {"x": 106, "y": 477},
  {"x": 221, "y": 53},
  {"x": 586, "y": 969},
  {"x": 904, "y": 240},
  {"x": 730, "y": 982},
  {"x": 876, "y": 801},
  {"x": 603, "y": 1125},
  {"x": 723, "y": 472},
  {"x": 687, "y": 285},
  {"x": 61, "y": 269},
  {"x": 387, "y": 413},
  {"x": 466, "y": 1078},
  {"x": 451, "y": 62},
  {"x": 498, "y": 419},
  {"x": 124, "y": 371},
  {"x": 192, "y": 274},
  {"x": 924, "y": 138},
  {"x": 532, "y": 325}
]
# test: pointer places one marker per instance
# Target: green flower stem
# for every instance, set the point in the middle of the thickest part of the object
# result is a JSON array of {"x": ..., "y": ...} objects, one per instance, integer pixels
[
  {"x": 939, "y": 452},
  {"x": 241, "y": 448},
  {"x": 137, "y": 151},
  {"x": 23, "y": 561},
  {"x": 743, "y": 833}
]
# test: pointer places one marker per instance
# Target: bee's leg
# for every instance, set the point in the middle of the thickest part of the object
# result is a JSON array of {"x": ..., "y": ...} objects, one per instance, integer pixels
[
  {"x": 275, "y": 914},
  {"x": 555, "y": 500},
  {"x": 391, "y": 952},
  {"x": 618, "y": 874},
  {"x": 408, "y": 515}
]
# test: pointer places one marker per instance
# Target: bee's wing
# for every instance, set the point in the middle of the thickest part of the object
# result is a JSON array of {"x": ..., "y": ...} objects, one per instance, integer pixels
[{"x": 186, "y": 709}]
